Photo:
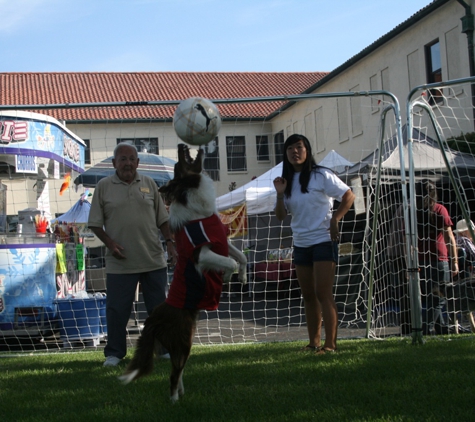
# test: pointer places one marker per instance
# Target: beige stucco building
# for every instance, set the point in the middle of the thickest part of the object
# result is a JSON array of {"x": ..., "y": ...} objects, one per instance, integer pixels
[{"x": 432, "y": 45}]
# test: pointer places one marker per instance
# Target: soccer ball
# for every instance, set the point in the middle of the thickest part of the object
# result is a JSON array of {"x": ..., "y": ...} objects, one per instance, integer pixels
[{"x": 196, "y": 121}]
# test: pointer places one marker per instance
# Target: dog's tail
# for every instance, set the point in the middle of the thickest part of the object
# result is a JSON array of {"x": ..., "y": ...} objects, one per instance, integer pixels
[{"x": 143, "y": 360}]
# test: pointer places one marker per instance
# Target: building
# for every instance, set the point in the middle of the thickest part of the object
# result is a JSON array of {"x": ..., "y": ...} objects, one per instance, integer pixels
[
  {"x": 150, "y": 127},
  {"x": 435, "y": 44}
]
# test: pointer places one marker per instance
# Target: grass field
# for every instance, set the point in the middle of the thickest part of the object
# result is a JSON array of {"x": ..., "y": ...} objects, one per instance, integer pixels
[{"x": 368, "y": 380}]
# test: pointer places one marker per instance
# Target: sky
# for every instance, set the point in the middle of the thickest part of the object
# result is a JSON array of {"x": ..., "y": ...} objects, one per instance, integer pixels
[{"x": 192, "y": 35}]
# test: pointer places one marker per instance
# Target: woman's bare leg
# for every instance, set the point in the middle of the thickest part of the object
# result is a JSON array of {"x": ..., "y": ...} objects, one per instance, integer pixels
[
  {"x": 324, "y": 273},
  {"x": 313, "y": 312}
]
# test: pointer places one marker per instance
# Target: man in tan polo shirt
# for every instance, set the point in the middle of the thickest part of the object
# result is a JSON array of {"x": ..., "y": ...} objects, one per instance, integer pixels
[{"x": 127, "y": 214}]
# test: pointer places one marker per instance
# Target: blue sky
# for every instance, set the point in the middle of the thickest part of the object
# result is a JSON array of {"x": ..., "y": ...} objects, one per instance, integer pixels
[{"x": 192, "y": 35}]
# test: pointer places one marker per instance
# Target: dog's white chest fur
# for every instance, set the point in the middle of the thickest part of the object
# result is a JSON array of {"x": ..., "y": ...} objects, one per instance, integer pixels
[{"x": 201, "y": 204}]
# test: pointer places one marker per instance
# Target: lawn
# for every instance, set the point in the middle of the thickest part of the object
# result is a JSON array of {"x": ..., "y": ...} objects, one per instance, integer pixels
[{"x": 368, "y": 380}]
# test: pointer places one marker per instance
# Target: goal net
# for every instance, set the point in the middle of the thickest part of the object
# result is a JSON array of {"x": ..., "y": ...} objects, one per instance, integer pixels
[{"x": 363, "y": 136}]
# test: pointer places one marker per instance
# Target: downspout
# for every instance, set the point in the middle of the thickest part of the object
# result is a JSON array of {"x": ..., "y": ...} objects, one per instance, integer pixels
[{"x": 467, "y": 28}]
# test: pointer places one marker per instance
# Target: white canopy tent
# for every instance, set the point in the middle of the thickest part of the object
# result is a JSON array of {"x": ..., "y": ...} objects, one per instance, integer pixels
[
  {"x": 427, "y": 158},
  {"x": 336, "y": 162},
  {"x": 258, "y": 194}
]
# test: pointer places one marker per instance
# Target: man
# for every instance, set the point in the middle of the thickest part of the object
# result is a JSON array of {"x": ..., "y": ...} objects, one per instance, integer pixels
[{"x": 126, "y": 214}]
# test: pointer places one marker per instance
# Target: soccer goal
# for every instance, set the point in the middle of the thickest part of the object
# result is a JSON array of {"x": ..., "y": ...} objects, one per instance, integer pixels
[{"x": 377, "y": 147}]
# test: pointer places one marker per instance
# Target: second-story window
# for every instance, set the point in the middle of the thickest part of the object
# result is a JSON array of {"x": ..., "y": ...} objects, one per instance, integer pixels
[
  {"x": 87, "y": 151},
  {"x": 262, "y": 147},
  {"x": 434, "y": 70},
  {"x": 279, "y": 147},
  {"x": 236, "y": 153},
  {"x": 211, "y": 160},
  {"x": 149, "y": 145}
]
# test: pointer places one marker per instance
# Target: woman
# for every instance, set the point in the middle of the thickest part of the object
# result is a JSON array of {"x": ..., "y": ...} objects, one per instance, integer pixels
[{"x": 307, "y": 192}]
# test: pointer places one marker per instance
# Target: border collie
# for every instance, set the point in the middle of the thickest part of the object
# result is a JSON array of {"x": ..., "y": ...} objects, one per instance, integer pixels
[{"x": 205, "y": 260}]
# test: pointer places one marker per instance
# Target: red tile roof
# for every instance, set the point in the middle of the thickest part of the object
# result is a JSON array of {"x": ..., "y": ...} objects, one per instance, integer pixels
[{"x": 111, "y": 87}]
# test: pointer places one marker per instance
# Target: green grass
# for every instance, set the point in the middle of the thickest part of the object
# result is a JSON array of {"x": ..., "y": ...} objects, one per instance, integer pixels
[{"x": 368, "y": 380}]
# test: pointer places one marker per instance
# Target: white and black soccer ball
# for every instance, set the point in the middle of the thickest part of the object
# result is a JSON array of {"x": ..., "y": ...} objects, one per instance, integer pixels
[{"x": 196, "y": 121}]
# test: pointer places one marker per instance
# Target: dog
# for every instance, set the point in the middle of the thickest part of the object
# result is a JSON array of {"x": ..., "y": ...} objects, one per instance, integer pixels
[{"x": 206, "y": 260}]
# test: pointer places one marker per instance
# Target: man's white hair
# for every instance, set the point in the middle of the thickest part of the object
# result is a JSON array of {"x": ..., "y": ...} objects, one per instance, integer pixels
[{"x": 124, "y": 144}]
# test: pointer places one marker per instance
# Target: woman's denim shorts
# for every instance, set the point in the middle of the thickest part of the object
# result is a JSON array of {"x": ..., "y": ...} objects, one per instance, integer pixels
[{"x": 326, "y": 251}]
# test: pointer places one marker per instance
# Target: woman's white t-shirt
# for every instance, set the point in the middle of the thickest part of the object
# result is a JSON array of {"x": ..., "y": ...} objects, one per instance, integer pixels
[{"x": 312, "y": 211}]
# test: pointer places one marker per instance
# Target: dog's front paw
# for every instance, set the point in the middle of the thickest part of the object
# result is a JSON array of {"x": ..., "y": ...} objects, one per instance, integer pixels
[
  {"x": 228, "y": 273},
  {"x": 128, "y": 376},
  {"x": 242, "y": 275}
]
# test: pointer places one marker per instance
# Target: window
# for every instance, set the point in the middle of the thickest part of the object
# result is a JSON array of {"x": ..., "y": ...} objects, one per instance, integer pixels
[
  {"x": 343, "y": 119},
  {"x": 319, "y": 130},
  {"x": 309, "y": 125},
  {"x": 149, "y": 145},
  {"x": 454, "y": 61},
  {"x": 356, "y": 119},
  {"x": 434, "y": 70},
  {"x": 385, "y": 80},
  {"x": 414, "y": 70},
  {"x": 279, "y": 147},
  {"x": 211, "y": 160},
  {"x": 87, "y": 151},
  {"x": 373, "y": 86},
  {"x": 262, "y": 146},
  {"x": 236, "y": 153}
]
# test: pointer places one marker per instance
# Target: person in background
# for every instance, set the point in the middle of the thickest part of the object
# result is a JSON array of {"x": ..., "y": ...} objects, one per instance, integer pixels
[
  {"x": 463, "y": 239},
  {"x": 464, "y": 289},
  {"x": 127, "y": 213},
  {"x": 307, "y": 191},
  {"x": 437, "y": 255}
]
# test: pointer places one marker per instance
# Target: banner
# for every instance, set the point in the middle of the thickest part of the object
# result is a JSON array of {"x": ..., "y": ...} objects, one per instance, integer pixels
[
  {"x": 235, "y": 219},
  {"x": 29, "y": 135}
]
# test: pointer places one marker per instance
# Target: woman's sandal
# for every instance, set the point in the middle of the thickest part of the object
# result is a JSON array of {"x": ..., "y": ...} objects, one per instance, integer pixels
[
  {"x": 325, "y": 350},
  {"x": 309, "y": 348}
]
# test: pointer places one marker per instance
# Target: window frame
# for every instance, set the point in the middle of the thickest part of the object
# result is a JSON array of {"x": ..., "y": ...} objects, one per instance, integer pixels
[
  {"x": 235, "y": 157},
  {"x": 87, "y": 151},
  {"x": 262, "y": 148},
  {"x": 212, "y": 158},
  {"x": 140, "y": 148},
  {"x": 433, "y": 75},
  {"x": 279, "y": 147}
]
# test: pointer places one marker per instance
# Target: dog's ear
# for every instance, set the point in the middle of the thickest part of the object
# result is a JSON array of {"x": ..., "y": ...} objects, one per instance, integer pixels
[
  {"x": 176, "y": 190},
  {"x": 166, "y": 191}
]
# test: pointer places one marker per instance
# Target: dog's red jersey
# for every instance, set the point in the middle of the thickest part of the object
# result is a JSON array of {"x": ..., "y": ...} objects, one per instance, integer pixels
[{"x": 190, "y": 289}]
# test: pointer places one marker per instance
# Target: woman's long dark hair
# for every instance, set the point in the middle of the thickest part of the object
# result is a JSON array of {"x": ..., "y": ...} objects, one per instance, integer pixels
[
  {"x": 426, "y": 198},
  {"x": 288, "y": 169}
]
